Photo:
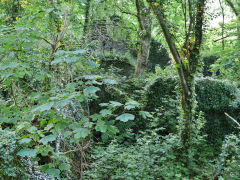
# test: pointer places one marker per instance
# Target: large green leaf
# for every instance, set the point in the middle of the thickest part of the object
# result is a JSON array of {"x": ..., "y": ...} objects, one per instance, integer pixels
[
  {"x": 13, "y": 65},
  {"x": 92, "y": 77},
  {"x": 91, "y": 90},
  {"x": 101, "y": 126},
  {"x": 64, "y": 166},
  {"x": 131, "y": 105},
  {"x": 145, "y": 114},
  {"x": 53, "y": 172},
  {"x": 25, "y": 140},
  {"x": 58, "y": 60},
  {"x": 47, "y": 139},
  {"x": 115, "y": 104},
  {"x": 27, "y": 152},
  {"x": 80, "y": 51},
  {"x": 105, "y": 112},
  {"x": 125, "y": 117},
  {"x": 6, "y": 74},
  {"x": 72, "y": 59},
  {"x": 81, "y": 133},
  {"x": 109, "y": 81},
  {"x": 44, "y": 107}
]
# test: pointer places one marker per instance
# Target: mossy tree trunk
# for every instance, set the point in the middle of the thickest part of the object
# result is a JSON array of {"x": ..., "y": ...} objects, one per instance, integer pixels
[
  {"x": 145, "y": 24},
  {"x": 87, "y": 13},
  {"x": 186, "y": 62}
]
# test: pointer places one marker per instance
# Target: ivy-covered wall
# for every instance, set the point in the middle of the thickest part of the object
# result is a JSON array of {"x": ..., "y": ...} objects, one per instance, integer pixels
[
  {"x": 118, "y": 64},
  {"x": 207, "y": 62},
  {"x": 158, "y": 55},
  {"x": 214, "y": 98}
]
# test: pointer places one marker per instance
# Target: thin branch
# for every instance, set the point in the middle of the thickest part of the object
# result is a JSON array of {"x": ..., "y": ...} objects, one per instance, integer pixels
[
  {"x": 234, "y": 120},
  {"x": 47, "y": 41},
  {"x": 221, "y": 38},
  {"x": 79, "y": 149},
  {"x": 126, "y": 12}
]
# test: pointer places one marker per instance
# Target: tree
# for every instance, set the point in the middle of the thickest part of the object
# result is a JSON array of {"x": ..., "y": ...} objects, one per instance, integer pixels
[
  {"x": 235, "y": 8},
  {"x": 87, "y": 12},
  {"x": 187, "y": 58},
  {"x": 144, "y": 22},
  {"x": 143, "y": 16}
]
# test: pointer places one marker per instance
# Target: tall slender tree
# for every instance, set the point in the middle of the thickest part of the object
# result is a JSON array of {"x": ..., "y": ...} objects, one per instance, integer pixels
[{"x": 186, "y": 62}]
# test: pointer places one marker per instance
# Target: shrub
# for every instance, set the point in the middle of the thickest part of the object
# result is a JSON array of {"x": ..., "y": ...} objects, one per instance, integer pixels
[
  {"x": 214, "y": 97},
  {"x": 229, "y": 162}
]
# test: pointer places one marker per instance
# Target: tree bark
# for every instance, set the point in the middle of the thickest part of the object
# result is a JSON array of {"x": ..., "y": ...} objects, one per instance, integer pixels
[
  {"x": 145, "y": 26},
  {"x": 87, "y": 12},
  {"x": 185, "y": 68}
]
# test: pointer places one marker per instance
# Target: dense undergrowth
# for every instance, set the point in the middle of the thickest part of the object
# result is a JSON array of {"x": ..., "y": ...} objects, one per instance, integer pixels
[{"x": 71, "y": 106}]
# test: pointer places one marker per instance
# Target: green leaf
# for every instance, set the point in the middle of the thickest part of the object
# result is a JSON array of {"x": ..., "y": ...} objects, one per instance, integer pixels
[
  {"x": 81, "y": 133},
  {"x": 63, "y": 102},
  {"x": 67, "y": 134},
  {"x": 57, "y": 60},
  {"x": 101, "y": 126},
  {"x": 44, "y": 150},
  {"x": 47, "y": 139},
  {"x": 25, "y": 140},
  {"x": 71, "y": 59},
  {"x": 32, "y": 129},
  {"x": 105, "y": 112},
  {"x": 96, "y": 117},
  {"x": 80, "y": 51},
  {"x": 6, "y": 75},
  {"x": 115, "y": 104},
  {"x": 44, "y": 107},
  {"x": 53, "y": 172},
  {"x": 64, "y": 166},
  {"x": 27, "y": 152},
  {"x": 92, "y": 64},
  {"x": 91, "y": 77},
  {"x": 131, "y": 105},
  {"x": 125, "y": 117},
  {"x": 104, "y": 104},
  {"x": 13, "y": 65},
  {"x": 49, "y": 10},
  {"x": 145, "y": 114},
  {"x": 109, "y": 81},
  {"x": 91, "y": 90}
]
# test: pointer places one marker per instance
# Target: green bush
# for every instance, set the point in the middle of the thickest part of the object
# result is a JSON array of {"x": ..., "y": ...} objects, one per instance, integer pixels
[
  {"x": 10, "y": 163},
  {"x": 152, "y": 157},
  {"x": 229, "y": 161},
  {"x": 214, "y": 97}
]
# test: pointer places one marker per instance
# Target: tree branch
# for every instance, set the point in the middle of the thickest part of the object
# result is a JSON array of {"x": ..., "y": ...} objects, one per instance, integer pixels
[
  {"x": 234, "y": 120},
  {"x": 229, "y": 2},
  {"x": 221, "y": 38},
  {"x": 126, "y": 12}
]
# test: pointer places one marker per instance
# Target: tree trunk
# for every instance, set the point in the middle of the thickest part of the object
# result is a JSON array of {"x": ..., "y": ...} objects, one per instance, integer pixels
[
  {"x": 143, "y": 54},
  {"x": 185, "y": 68},
  {"x": 145, "y": 25},
  {"x": 87, "y": 12}
]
